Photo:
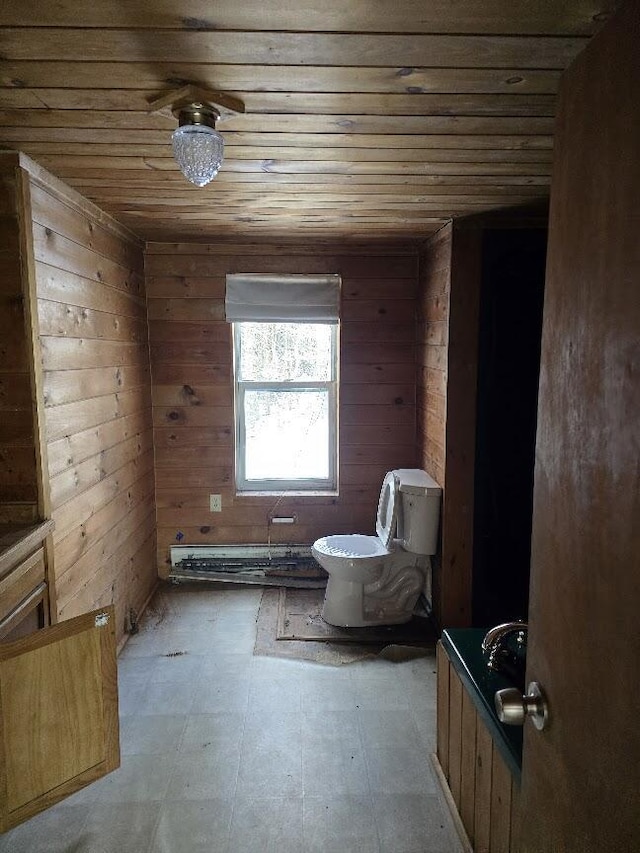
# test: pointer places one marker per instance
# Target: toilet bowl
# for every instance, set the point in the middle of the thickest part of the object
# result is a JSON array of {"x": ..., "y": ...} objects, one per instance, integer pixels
[{"x": 376, "y": 580}]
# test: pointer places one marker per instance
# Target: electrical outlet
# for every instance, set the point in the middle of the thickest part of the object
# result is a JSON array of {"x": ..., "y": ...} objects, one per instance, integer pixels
[{"x": 215, "y": 503}]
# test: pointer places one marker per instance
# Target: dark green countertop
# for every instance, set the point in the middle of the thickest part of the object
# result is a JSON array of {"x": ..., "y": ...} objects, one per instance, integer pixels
[{"x": 463, "y": 645}]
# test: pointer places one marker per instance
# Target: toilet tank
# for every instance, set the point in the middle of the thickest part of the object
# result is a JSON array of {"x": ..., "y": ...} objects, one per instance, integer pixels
[{"x": 419, "y": 518}]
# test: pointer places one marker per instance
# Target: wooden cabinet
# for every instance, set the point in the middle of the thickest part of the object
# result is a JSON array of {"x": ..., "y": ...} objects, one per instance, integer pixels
[
  {"x": 58, "y": 713},
  {"x": 481, "y": 785},
  {"x": 58, "y": 686},
  {"x": 24, "y": 583},
  {"x": 24, "y": 599}
]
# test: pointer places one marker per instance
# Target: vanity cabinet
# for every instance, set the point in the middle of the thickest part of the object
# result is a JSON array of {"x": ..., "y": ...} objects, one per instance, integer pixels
[{"x": 483, "y": 788}]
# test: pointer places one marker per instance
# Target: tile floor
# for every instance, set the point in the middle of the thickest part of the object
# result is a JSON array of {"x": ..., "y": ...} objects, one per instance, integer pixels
[{"x": 225, "y": 752}]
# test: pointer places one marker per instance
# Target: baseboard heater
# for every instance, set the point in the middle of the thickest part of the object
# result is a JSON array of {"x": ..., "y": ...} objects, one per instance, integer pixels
[{"x": 264, "y": 565}]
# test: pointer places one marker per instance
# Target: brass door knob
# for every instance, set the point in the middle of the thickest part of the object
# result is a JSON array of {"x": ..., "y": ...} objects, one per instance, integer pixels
[{"x": 513, "y": 708}]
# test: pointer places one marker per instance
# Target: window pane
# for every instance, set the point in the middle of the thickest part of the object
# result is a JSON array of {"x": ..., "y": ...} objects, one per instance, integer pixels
[
  {"x": 285, "y": 352},
  {"x": 287, "y": 435}
]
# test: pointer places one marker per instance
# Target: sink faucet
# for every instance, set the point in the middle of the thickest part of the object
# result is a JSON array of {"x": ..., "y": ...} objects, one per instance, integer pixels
[{"x": 495, "y": 638}]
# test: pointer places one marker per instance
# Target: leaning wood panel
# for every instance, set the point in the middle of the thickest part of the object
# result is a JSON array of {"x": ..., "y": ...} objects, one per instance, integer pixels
[
  {"x": 59, "y": 715},
  {"x": 77, "y": 674}
]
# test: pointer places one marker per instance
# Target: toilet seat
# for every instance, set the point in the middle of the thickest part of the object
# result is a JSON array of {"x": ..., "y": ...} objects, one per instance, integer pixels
[
  {"x": 353, "y": 546},
  {"x": 387, "y": 515}
]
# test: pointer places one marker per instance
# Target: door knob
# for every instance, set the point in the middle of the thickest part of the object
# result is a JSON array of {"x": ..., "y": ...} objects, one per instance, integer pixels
[{"x": 513, "y": 708}]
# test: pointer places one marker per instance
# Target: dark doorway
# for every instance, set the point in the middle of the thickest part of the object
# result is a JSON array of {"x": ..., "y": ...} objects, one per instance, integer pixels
[{"x": 511, "y": 302}]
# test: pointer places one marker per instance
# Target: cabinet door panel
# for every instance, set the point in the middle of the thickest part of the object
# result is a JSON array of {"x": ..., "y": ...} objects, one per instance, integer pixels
[{"x": 58, "y": 713}]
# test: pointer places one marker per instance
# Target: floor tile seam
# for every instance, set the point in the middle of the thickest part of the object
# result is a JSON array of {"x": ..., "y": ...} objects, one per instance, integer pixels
[
  {"x": 88, "y": 809},
  {"x": 176, "y": 757},
  {"x": 363, "y": 747},
  {"x": 369, "y": 783},
  {"x": 307, "y": 797},
  {"x": 237, "y": 774},
  {"x": 303, "y": 775},
  {"x": 156, "y": 827},
  {"x": 257, "y": 751},
  {"x": 162, "y": 796},
  {"x": 379, "y": 793},
  {"x": 178, "y": 748}
]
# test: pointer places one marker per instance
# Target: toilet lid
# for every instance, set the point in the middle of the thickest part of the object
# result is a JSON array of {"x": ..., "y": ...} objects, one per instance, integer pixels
[{"x": 387, "y": 509}]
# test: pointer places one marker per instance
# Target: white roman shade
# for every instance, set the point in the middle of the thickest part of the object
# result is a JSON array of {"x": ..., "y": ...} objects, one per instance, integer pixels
[{"x": 255, "y": 297}]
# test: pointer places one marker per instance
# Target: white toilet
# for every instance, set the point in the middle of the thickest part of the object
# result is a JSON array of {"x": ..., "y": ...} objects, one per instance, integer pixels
[{"x": 376, "y": 580}]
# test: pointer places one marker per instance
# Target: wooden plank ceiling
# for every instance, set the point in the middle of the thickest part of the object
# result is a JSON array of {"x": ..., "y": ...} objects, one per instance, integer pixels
[{"x": 364, "y": 118}]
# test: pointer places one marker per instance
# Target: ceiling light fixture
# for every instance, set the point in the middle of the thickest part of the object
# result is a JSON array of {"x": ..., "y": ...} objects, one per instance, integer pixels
[{"x": 198, "y": 148}]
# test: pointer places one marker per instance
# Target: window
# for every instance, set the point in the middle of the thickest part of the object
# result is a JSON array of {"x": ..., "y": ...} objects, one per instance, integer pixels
[
  {"x": 285, "y": 333},
  {"x": 286, "y": 405}
]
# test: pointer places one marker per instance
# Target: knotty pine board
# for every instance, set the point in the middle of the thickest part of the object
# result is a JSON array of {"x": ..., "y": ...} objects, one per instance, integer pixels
[{"x": 97, "y": 403}]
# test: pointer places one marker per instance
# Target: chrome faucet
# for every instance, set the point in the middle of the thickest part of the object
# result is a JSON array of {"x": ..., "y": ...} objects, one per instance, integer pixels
[{"x": 495, "y": 638}]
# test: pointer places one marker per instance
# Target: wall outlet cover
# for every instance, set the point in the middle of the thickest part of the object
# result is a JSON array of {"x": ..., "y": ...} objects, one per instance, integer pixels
[{"x": 215, "y": 503}]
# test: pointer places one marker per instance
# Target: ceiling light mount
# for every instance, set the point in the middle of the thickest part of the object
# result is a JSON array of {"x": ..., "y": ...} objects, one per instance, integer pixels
[
  {"x": 198, "y": 148},
  {"x": 197, "y": 113}
]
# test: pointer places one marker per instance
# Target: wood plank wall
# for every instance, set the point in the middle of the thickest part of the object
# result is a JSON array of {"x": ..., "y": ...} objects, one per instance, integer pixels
[
  {"x": 456, "y": 578},
  {"x": 18, "y": 467},
  {"x": 96, "y": 385},
  {"x": 433, "y": 351},
  {"x": 193, "y": 389},
  {"x": 449, "y": 288}
]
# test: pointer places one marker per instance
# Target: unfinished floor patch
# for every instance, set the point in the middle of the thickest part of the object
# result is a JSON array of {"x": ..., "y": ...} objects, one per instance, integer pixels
[
  {"x": 329, "y": 648},
  {"x": 300, "y": 618}
]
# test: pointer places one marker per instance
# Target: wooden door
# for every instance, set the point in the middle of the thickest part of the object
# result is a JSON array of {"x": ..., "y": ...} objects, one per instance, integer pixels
[
  {"x": 581, "y": 777},
  {"x": 58, "y": 713}
]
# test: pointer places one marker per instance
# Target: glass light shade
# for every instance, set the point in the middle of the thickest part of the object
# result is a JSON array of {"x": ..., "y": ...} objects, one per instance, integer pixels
[{"x": 198, "y": 150}]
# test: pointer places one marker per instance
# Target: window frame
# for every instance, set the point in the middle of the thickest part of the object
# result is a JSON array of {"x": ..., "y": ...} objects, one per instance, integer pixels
[{"x": 306, "y": 485}]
